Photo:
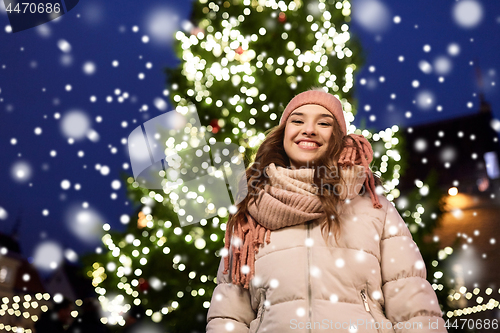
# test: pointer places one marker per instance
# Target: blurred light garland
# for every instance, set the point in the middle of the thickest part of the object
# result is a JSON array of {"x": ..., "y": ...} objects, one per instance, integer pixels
[
  {"x": 27, "y": 306},
  {"x": 455, "y": 296}
]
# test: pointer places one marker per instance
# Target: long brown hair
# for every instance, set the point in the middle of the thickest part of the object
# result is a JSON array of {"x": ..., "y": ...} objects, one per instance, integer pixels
[{"x": 327, "y": 176}]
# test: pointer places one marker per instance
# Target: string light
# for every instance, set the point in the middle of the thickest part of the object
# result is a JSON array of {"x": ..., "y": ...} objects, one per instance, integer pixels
[
  {"x": 27, "y": 308},
  {"x": 455, "y": 296}
]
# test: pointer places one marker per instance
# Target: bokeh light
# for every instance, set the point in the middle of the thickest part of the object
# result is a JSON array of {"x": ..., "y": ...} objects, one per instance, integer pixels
[
  {"x": 75, "y": 124},
  {"x": 85, "y": 223},
  {"x": 372, "y": 15},
  {"x": 43, "y": 30},
  {"x": 425, "y": 100},
  {"x": 442, "y": 65},
  {"x": 89, "y": 68},
  {"x": 425, "y": 66},
  {"x": 467, "y": 13},
  {"x": 3, "y": 214},
  {"x": 93, "y": 12},
  {"x": 453, "y": 49},
  {"x": 161, "y": 24},
  {"x": 21, "y": 171},
  {"x": 64, "y": 45},
  {"x": 48, "y": 255}
]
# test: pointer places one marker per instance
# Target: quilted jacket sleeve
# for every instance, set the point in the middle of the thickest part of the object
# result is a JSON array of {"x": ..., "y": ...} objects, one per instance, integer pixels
[
  {"x": 409, "y": 297},
  {"x": 230, "y": 309}
]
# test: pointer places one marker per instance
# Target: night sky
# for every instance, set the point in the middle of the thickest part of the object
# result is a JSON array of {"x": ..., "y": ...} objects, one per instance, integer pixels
[{"x": 102, "y": 64}]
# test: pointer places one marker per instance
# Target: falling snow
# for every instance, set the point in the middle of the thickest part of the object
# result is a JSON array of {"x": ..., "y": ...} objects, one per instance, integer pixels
[{"x": 88, "y": 131}]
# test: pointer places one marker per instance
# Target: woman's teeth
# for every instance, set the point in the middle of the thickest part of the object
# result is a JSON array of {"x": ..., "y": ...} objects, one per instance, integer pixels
[{"x": 308, "y": 144}]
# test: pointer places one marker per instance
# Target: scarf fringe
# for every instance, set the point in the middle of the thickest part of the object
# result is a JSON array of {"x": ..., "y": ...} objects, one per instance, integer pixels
[{"x": 248, "y": 236}]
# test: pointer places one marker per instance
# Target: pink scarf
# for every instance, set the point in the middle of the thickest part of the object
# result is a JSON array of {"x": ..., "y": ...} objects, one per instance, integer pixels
[{"x": 288, "y": 200}]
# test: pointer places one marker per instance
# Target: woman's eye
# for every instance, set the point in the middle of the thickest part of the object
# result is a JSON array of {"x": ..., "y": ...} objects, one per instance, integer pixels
[{"x": 301, "y": 122}]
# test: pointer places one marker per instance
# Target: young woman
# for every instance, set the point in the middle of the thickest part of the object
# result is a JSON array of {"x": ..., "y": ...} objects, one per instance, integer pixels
[{"x": 313, "y": 247}]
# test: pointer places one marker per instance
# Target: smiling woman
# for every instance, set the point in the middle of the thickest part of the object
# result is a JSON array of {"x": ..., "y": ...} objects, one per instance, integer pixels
[{"x": 280, "y": 266}]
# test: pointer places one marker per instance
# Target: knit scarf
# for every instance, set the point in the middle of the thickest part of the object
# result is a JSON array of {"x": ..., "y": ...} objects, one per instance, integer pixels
[{"x": 290, "y": 198}]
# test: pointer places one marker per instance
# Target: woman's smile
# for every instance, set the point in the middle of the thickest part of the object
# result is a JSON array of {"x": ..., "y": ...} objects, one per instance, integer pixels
[{"x": 308, "y": 145}]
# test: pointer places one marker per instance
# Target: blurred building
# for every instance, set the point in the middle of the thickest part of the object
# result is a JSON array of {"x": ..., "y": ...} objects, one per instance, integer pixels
[
  {"x": 69, "y": 281},
  {"x": 22, "y": 295},
  {"x": 464, "y": 151}
]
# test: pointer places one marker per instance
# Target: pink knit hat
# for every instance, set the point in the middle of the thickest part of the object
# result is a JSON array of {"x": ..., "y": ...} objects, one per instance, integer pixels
[
  {"x": 357, "y": 149},
  {"x": 317, "y": 97}
]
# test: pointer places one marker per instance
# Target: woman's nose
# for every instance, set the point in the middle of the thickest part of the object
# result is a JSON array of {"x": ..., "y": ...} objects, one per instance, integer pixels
[{"x": 309, "y": 129}]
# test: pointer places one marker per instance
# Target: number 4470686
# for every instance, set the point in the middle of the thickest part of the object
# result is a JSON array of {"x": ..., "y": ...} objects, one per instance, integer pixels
[
  {"x": 472, "y": 324},
  {"x": 34, "y": 8}
]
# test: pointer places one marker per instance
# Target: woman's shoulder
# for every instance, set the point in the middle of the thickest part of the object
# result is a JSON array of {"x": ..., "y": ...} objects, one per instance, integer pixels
[{"x": 363, "y": 205}]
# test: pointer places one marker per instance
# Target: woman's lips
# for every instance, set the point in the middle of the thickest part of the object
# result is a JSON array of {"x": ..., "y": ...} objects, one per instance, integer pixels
[{"x": 308, "y": 145}]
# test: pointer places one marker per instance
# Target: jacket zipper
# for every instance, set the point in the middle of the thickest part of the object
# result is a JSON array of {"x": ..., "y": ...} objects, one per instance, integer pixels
[
  {"x": 365, "y": 301},
  {"x": 309, "y": 291},
  {"x": 262, "y": 307}
]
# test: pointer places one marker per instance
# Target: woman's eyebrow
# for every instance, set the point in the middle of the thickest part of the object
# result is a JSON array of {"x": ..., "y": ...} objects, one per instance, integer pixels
[{"x": 322, "y": 115}]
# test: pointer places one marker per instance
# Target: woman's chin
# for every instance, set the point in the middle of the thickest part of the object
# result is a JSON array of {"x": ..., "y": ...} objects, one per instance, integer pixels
[{"x": 304, "y": 164}]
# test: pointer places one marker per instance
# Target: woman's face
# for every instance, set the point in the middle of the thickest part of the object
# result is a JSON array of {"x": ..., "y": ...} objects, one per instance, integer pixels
[{"x": 307, "y": 132}]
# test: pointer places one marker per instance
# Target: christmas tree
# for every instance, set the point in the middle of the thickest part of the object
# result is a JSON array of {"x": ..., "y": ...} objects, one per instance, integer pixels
[{"x": 242, "y": 61}]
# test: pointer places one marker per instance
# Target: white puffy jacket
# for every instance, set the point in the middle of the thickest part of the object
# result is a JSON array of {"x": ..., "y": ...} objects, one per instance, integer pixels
[{"x": 372, "y": 280}]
